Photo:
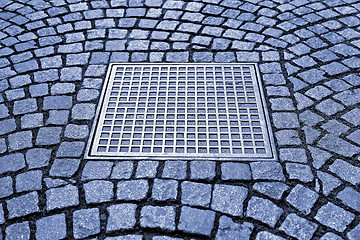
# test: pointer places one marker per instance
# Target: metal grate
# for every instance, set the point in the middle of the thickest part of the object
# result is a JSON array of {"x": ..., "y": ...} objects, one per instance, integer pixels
[{"x": 182, "y": 111}]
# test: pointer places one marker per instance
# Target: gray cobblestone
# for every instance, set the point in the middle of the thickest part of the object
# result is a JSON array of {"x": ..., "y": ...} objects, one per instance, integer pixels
[
  {"x": 158, "y": 217},
  {"x": 58, "y": 117},
  {"x": 57, "y": 102},
  {"x": 121, "y": 216},
  {"x": 352, "y": 235},
  {"x": 91, "y": 170},
  {"x": 267, "y": 170},
  {"x": 132, "y": 190},
  {"x": 229, "y": 230},
  {"x": 196, "y": 221},
  {"x": 14, "y": 94},
  {"x": 329, "y": 182},
  {"x": 302, "y": 198},
  {"x": 29, "y": 181},
  {"x": 20, "y": 231},
  {"x": 300, "y": 172},
  {"x": 164, "y": 190},
  {"x": 64, "y": 167},
  {"x": 288, "y": 137},
  {"x": 146, "y": 169},
  {"x": 86, "y": 222},
  {"x": 175, "y": 169},
  {"x": 350, "y": 197},
  {"x": 37, "y": 157},
  {"x": 99, "y": 191},
  {"x": 334, "y": 217},
  {"x": 235, "y": 171},
  {"x": 3, "y": 146},
  {"x": 122, "y": 170},
  {"x": 53, "y": 227},
  {"x": 20, "y": 140},
  {"x": 25, "y": 106},
  {"x": 228, "y": 199},
  {"x": 196, "y": 194},
  {"x": 83, "y": 111},
  {"x": 62, "y": 197},
  {"x": 23, "y": 205},
  {"x": 274, "y": 190},
  {"x": 48, "y": 136},
  {"x": 298, "y": 227},
  {"x": 70, "y": 74},
  {"x": 6, "y": 187},
  {"x": 76, "y": 131},
  {"x": 264, "y": 210},
  {"x": 202, "y": 170}
]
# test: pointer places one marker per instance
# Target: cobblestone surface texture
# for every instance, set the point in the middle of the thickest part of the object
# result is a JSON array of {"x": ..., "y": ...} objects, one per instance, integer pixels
[{"x": 53, "y": 58}]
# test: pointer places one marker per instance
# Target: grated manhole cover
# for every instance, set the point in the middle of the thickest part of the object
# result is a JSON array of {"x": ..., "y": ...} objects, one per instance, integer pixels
[{"x": 188, "y": 111}]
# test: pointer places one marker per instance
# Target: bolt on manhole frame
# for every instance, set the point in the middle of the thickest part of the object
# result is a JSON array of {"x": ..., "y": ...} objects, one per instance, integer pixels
[{"x": 141, "y": 73}]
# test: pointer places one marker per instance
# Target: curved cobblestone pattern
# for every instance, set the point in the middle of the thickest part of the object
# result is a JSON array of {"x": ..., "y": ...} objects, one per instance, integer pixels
[{"x": 53, "y": 58}]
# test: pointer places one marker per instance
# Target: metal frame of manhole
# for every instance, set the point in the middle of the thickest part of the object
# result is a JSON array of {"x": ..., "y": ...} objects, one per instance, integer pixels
[{"x": 188, "y": 111}]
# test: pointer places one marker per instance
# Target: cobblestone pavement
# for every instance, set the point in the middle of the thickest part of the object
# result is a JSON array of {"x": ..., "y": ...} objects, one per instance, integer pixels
[{"x": 53, "y": 57}]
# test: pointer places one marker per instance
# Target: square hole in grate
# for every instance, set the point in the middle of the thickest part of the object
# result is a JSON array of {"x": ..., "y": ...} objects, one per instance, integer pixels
[{"x": 186, "y": 111}]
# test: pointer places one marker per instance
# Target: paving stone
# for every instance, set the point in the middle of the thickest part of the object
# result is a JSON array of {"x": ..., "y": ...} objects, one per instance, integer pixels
[
  {"x": 228, "y": 199},
  {"x": 18, "y": 231},
  {"x": 85, "y": 95},
  {"x": 70, "y": 149},
  {"x": 285, "y": 120},
  {"x": 3, "y": 146},
  {"x": 288, "y": 137},
  {"x": 146, "y": 169},
  {"x": 319, "y": 157},
  {"x": 164, "y": 190},
  {"x": 99, "y": 191},
  {"x": 298, "y": 227},
  {"x": 126, "y": 237},
  {"x": 174, "y": 169},
  {"x": 198, "y": 221},
  {"x": 132, "y": 190},
  {"x": 330, "y": 236},
  {"x": 62, "y": 197},
  {"x": 57, "y": 102},
  {"x": 29, "y": 181},
  {"x": 350, "y": 197},
  {"x": 312, "y": 76},
  {"x": 349, "y": 97},
  {"x": 352, "y": 117},
  {"x": 235, "y": 171},
  {"x": 229, "y": 230},
  {"x": 6, "y": 187},
  {"x": 23, "y": 205},
  {"x": 267, "y": 236},
  {"x": 334, "y": 217},
  {"x": 7, "y": 126},
  {"x": 25, "y": 106},
  {"x": 195, "y": 194},
  {"x": 353, "y": 234},
  {"x": 32, "y": 120},
  {"x": 51, "y": 227},
  {"x": 328, "y": 181},
  {"x": 14, "y": 94},
  {"x": 302, "y": 198},
  {"x": 64, "y": 167},
  {"x": 121, "y": 216},
  {"x": 76, "y": 131},
  {"x": 224, "y": 57},
  {"x": 335, "y": 144},
  {"x": 202, "y": 170},
  {"x": 300, "y": 172},
  {"x": 177, "y": 56},
  {"x": 263, "y": 210},
  {"x": 48, "y": 136},
  {"x": 37, "y": 157},
  {"x": 86, "y": 222},
  {"x": 273, "y": 190},
  {"x": 202, "y": 57},
  {"x": 83, "y": 111},
  {"x": 20, "y": 140},
  {"x": 91, "y": 170},
  {"x": 158, "y": 217},
  {"x": 293, "y": 155},
  {"x": 122, "y": 170},
  {"x": 267, "y": 171}
]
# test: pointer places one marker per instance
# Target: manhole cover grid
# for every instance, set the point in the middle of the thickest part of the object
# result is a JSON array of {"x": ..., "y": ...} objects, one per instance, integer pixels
[{"x": 182, "y": 111}]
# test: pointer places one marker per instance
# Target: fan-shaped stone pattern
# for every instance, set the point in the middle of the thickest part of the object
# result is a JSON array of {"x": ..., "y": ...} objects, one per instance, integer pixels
[{"x": 53, "y": 57}]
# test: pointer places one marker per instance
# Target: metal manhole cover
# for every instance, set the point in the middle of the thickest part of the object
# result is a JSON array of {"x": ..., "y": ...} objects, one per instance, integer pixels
[{"x": 187, "y": 111}]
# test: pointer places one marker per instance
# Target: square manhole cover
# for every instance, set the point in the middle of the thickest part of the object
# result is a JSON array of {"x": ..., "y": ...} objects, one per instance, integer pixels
[{"x": 182, "y": 111}]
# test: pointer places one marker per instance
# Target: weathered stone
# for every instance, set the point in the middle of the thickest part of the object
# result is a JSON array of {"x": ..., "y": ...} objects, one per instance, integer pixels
[
  {"x": 228, "y": 199},
  {"x": 264, "y": 210},
  {"x": 86, "y": 222},
  {"x": 158, "y": 217},
  {"x": 198, "y": 221},
  {"x": 121, "y": 216}
]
